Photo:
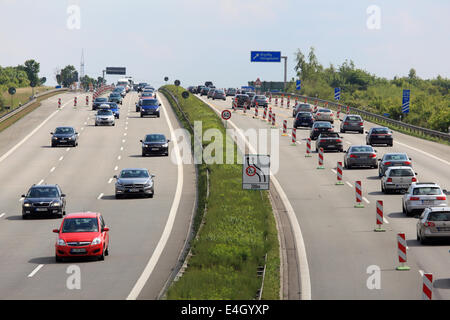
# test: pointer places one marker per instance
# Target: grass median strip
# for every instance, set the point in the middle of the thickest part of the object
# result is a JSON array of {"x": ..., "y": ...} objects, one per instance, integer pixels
[{"x": 239, "y": 227}]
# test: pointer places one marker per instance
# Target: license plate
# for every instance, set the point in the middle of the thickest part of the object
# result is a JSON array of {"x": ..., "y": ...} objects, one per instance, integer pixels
[
  {"x": 427, "y": 201},
  {"x": 63, "y": 140},
  {"x": 133, "y": 190},
  {"x": 41, "y": 209},
  {"x": 155, "y": 149},
  {"x": 381, "y": 137},
  {"x": 401, "y": 185},
  {"x": 78, "y": 250},
  {"x": 443, "y": 229}
]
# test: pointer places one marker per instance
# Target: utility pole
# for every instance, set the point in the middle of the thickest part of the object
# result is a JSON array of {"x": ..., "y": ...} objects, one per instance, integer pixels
[{"x": 285, "y": 71}]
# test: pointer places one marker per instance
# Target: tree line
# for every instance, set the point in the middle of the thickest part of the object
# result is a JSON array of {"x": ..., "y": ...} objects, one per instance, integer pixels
[{"x": 430, "y": 100}]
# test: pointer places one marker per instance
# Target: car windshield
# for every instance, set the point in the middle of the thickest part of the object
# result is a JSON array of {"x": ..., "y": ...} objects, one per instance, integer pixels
[
  {"x": 149, "y": 102},
  {"x": 134, "y": 174},
  {"x": 380, "y": 130},
  {"x": 427, "y": 191},
  {"x": 395, "y": 157},
  {"x": 304, "y": 106},
  {"x": 104, "y": 112},
  {"x": 260, "y": 97},
  {"x": 64, "y": 130},
  {"x": 304, "y": 115},
  {"x": 115, "y": 95},
  {"x": 401, "y": 173},
  {"x": 43, "y": 192},
  {"x": 101, "y": 99},
  {"x": 324, "y": 110},
  {"x": 439, "y": 216},
  {"x": 361, "y": 149},
  {"x": 322, "y": 125},
  {"x": 71, "y": 225},
  {"x": 155, "y": 138},
  {"x": 329, "y": 135},
  {"x": 353, "y": 118}
]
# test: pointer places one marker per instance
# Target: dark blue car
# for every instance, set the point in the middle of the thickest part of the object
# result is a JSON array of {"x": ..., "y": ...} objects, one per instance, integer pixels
[{"x": 150, "y": 107}]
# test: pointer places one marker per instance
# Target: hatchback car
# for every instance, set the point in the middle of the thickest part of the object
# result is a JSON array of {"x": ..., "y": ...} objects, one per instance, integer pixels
[
  {"x": 82, "y": 235},
  {"x": 231, "y": 92},
  {"x": 302, "y": 107},
  {"x": 155, "y": 144},
  {"x": 219, "y": 94},
  {"x": 324, "y": 115},
  {"x": 98, "y": 101},
  {"x": 303, "y": 119},
  {"x": 210, "y": 93},
  {"x": 204, "y": 91},
  {"x": 318, "y": 127},
  {"x": 422, "y": 195},
  {"x": 134, "y": 182},
  {"x": 360, "y": 156},
  {"x": 352, "y": 122},
  {"x": 379, "y": 135},
  {"x": 434, "y": 223},
  {"x": 329, "y": 141},
  {"x": 44, "y": 199},
  {"x": 115, "y": 97},
  {"x": 397, "y": 179},
  {"x": 261, "y": 100},
  {"x": 105, "y": 117},
  {"x": 64, "y": 136},
  {"x": 150, "y": 107},
  {"x": 393, "y": 160},
  {"x": 241, "y": 101}
]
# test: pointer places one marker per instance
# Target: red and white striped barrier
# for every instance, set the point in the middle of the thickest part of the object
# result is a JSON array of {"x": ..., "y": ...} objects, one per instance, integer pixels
[
  {"x": 294, "y": 136},
  {"x": 270, "y": 98},
  {"x": 276, "y": 101},
  {"x": 427, "y": 287},
  {"x": 59, "y": 102},
  {"x": 270, "y": 116},
  {"x": 288, "y": 102},
  {"x": 401, "y": 250},
  {"x": 339, "y": 173},
  {"x": 379, "y": 217},
  {"x": 308, "y": 148},
  {"x": 273, "y": 120},
  {"x": 320, "y": 159},
  {"x": 264, "y": 114},
  {"x": 358, "y": 192},
  {"x": 282, "y": 101},
  {"x": 87, "y": 100},
  {"x": 284, "y": 128},
  {"x": 75, "y": 101},
  {"x": 256, "y": 111}
]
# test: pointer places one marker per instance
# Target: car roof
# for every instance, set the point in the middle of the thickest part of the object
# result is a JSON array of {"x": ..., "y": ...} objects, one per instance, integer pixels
[
  {"x": 399, "y": 167},
  {"x": 82, "y": 215},
  {"x": 44, "y": 186},
  {"x": 424, "y": 184}
]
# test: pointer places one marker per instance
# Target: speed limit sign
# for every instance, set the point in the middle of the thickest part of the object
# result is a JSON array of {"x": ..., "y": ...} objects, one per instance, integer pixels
[{"x": 226, "y": 114}]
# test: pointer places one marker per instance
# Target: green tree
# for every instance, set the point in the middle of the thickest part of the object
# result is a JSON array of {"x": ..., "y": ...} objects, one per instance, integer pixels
[{"x": 67, "y": 75}]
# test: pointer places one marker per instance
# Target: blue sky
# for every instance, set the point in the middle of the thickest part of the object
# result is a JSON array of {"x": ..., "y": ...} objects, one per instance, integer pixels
[{"x": 199, "y": 40}]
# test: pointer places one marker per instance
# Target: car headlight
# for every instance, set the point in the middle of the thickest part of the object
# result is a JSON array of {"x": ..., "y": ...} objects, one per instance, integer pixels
[
  {"x": 118, "y": 183},
  {"x": 27, "y": 204},
  {"x": 96, "y": 241},
  {"x": 149, "y": 183},
  {"x": 56, "y": 138},
  {"x": 56, "y": 204},
  {"x": 60, "y": 242},
  {"x": 165, "y": 145}
]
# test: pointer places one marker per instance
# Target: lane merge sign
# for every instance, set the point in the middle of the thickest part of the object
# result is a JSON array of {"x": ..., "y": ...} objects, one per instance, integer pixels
[
  {"x": 337, "y": 94},
  {"x": 298, "y": 85},
  {"x": 256, "y": 172},
  {"x": 226, "y": 114},
  {"x": 405, "y": 101},
  {"x": 265, "y": 56}
]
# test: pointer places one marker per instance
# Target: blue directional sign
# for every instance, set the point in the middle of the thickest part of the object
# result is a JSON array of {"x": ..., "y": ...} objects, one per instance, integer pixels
[
  {"x": 405, "y": 101},
  {"x": 265, "y": 56},
  {"x": 337, "y": 93},
  {"x": 298, "y": 85}
]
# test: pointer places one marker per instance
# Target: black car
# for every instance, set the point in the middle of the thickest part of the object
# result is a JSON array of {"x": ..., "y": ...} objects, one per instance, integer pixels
[
  {"x": 318, "y": 127},
  {"x": 329, "y": 141},
  {"x": 304, "y": 119},
  {"x": 208, "y": 84},
  {"x": 155, "y": 144},
  {"x": 379, "y": 135},
  {"x": 44, "y": 199},
  {"x": 261, "y": 100},
  {"x": 231, "y": 92},
  {"x": 242, "y": 101},
  {"x": 66, "y": 136},
  {"x": 99, "y": 101},
  {"x": 141, "y": 86},
  {"x": 204, "y": 91}
]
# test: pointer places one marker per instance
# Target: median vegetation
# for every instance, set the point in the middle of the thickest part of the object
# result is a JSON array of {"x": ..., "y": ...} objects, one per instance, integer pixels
[{"x": 237, "y": 228}]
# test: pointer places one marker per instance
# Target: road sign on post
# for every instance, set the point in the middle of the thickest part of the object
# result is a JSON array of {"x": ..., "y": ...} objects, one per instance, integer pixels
[
  {"x": 337, "y": 94},
  {"x": 265, "y": 56},
  {"x": 256, "y": 172},
  {"x": 298, "y": 85},
  {"x": 116, "y": 70},
  {"x": 405, "y": 101}
]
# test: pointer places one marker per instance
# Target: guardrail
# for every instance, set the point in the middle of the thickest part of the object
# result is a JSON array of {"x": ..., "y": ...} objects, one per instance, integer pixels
[
  {"x": 27, "y": 104},
  {"x": 372, "y": 116}
]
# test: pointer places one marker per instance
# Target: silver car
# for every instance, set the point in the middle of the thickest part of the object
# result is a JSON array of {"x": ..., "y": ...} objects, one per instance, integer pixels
[
  {"x": 324, "y": 115},
  {"x": 422, "y": 195},
  {"x": 105, "y": 117},
  {"x": 302, "y": 107},
  {"x": 134, "y": 182},
  {"x": 397, "y": 179},
  {"x": 434, "y": 223},
  {"x": 393, "y": 160},
  {"x": 360, "y": 156},
  {"x": 352, "y": 122}
]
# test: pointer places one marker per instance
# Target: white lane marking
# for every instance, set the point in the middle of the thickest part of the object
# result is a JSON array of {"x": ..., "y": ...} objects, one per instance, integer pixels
[
  {"x": 121, "y": 148},
  {"x": 52, "y": 169},
  {"x": 302, "y": 257},
  {"x": 28, "y": 136},
  {"x": 126, "y": 128},
  {"x": 365, "y": 199},
  {"x": 170, "y": 220},
  {"x": 21, "y": 198},
  {"x": 68, "y": 149},
  {"x": 125, "y": 134},
  {"x": 100, "y": 196},
  {"x": 349, "y": 184},
  {"x": 35, "y": 270},
  {"x": 123, "y": 141},
  {"x": 385, "y": 220},
  {"x": 425, "y": 153},
  {"x": 115, "y": 168},
  {"x": 110, "y": 180},
  {"x": 85, "y": 123},
  {"x": 119, "y": 157},
  {"x": 334, "y": 171},
  {"x": 40, "y": 182},
  {"x": 82, "y": 128},
  {"x": 421, "y": 273},
  {"x": 60, "y": 159},
  {"x": 1, "y": 215}
]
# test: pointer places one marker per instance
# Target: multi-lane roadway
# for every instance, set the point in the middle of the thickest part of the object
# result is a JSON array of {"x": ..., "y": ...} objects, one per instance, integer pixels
[{"x": 146, "y": 235}]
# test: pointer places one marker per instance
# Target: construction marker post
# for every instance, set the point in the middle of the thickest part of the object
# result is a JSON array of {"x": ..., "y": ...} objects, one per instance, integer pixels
[
  {"x": 294, "y": 137},
  {"x": 284, "y": 128},
  {"x": 276, "y": 101},
  {"x": 256, "y": 111},
  {"x": 320, "y": 159},
  {"x": 87, "y": 100},
  {"x": 273, "y": 121},
  {"x": 264, "y": 115},
  {"x": 339, "y": 174},
  {"x": 308, "y": 148},
  {"x": 358, "y": 191},
  {"x": 59, "y": 103},
  {"x": 270, "y": 117},
  {"x": 379, "y": 226},
  {"x": 427, "y": 287},
  {"x": 75, "y": 101},
  {"x": 401, "y": 249}
]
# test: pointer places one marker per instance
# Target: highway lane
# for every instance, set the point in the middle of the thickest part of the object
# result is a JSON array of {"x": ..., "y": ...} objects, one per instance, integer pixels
[
  {"x": 28, "y": 270},
  {"x": 340, "y": 243}
]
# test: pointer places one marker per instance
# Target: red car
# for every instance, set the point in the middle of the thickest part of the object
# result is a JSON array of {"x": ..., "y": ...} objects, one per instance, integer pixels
[{"x": 82, "y": 235}]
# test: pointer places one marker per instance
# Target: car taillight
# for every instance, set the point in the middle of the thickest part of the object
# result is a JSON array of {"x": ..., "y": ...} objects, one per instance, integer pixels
[
  {"x": 360, "y": 123},
  {"x": 441, "y": 198},
  {"x": 429, "y": 224},
  {"x": 346, "y": 123},
  {"x": 414, "y": 198},
  {"x": 413, "y": 179},
  {"x": 389, "y": 180},
  {"x": 388, "y": 163},
  {"x": 353, "y": 156},
  {"x": 338, "y": 140},
  {"x": 318, "y": 114},
  {"x": 315, "y": 129},
  {"x": 407, "y": 163},
  {"x": 373, "y": 155},
  {"x": 322, "y": 140}
]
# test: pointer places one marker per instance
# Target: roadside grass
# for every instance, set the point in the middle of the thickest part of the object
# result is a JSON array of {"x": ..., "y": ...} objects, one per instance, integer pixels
[
  {"x": 21, "y": 96},
  {"x": 238, "y": 228}
]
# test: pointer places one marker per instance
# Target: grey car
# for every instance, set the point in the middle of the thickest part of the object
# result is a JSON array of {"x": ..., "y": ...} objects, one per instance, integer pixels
[
  {"x": 134, "y": 182},
  {"x": 434, "y": 223},
  {"x": 302, "y": 107},
  {"x": 397, "y": 179},
  {"x": 393, "y": 160},
  {"x": 360, "y": 156},
  {"x": 352, "y": 122},
  {"x": 219, "y": 94},
  {"x": 422, "y": 195},
  {"x": 64, "y": 136},
  {"x": 105, "y": 117}
]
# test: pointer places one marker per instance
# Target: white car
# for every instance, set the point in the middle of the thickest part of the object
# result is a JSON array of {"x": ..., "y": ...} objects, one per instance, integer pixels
[
  {"x": 423, "y": 195},
  {"x": 397, "y": 178},
  {"x": 324, "y": 115},
  {"x": 105, "y": 117}
]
